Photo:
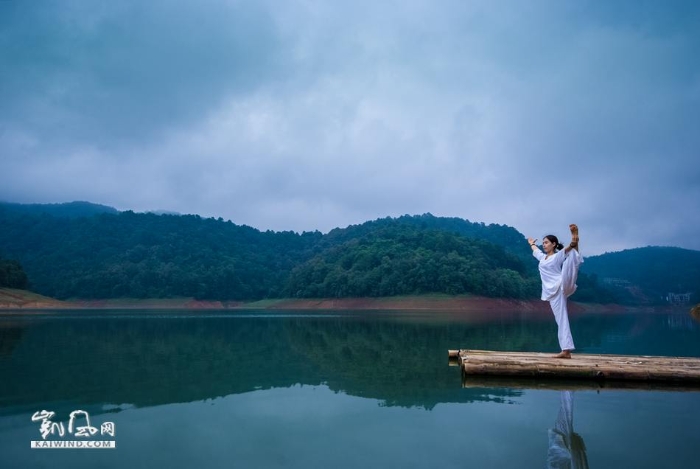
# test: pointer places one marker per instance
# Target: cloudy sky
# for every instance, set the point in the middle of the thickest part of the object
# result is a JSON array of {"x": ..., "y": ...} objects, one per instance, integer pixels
[{"x": 313, "y": 114}]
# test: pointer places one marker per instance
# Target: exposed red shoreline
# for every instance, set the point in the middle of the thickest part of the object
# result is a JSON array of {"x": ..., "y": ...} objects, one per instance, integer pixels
[{"x": 14, "y": 300}]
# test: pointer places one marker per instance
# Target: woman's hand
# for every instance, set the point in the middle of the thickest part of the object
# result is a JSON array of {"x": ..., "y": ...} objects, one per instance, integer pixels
[{"x": 533, "y": 243}]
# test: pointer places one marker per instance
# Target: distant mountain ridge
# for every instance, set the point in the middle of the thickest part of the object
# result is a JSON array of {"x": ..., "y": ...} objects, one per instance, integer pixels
[
  {"x": 68, "y": 209},
  {"x": 651, "y": 273}
]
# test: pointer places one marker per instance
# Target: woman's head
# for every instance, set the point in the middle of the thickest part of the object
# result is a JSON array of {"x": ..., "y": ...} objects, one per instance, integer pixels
[{"x": 551, "y": 244}]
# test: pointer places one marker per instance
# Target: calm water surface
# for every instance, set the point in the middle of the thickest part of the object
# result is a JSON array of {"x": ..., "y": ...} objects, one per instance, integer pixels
[{"x": 339, "y": 390}]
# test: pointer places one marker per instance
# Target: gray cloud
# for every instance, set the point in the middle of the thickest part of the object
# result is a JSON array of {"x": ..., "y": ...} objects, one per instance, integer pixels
[
  {"x": 311, "y": 115},
  {"x": 106, "y": 72}
]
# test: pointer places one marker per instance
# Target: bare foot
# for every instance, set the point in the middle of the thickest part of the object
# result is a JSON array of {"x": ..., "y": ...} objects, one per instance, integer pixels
[
  {"x": 563, "y": 354},
  {"x": 574, "y": 236}
]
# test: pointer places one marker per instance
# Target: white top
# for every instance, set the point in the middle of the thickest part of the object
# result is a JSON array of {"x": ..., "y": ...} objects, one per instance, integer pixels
[{"x": 550, "y": 272}]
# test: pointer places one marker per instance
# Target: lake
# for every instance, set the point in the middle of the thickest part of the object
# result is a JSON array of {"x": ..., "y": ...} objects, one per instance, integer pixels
[{"x": 250, "y": 389}]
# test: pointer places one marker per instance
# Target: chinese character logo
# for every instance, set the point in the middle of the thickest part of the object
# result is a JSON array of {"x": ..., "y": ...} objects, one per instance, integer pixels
[{"x": 78, "y": 425}]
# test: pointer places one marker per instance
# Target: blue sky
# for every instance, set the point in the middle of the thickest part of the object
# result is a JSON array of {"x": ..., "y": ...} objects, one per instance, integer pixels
[{"x": 304, "y": 115}]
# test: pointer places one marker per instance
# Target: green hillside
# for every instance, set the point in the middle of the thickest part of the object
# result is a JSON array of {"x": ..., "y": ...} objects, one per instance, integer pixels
[
  {"x": 401, "y": 260},
  {"x": 95, "y": 253},
  {"x": 149, "y": 256}
]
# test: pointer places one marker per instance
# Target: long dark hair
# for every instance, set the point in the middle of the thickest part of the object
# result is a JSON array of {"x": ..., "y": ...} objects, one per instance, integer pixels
[{"x": 555, "y": 241}]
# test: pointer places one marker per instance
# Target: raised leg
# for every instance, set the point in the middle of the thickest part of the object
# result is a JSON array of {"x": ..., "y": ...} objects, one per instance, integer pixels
[{"x": 569, "y": 272}]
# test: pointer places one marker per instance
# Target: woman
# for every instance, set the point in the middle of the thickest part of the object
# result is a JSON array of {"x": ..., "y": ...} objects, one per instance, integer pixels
[{"x": 559, "y": 270}]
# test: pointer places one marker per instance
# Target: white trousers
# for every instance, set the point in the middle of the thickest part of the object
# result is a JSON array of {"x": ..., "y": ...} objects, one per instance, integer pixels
[{"x": 569, "y": 274}]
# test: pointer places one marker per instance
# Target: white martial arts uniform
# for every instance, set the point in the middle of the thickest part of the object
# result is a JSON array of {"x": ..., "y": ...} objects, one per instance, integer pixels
[{"x": 559, "y": 273}]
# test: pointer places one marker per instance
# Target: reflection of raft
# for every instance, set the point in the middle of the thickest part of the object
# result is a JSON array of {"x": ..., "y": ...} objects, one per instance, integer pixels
[{"x": 650, "y": 369}]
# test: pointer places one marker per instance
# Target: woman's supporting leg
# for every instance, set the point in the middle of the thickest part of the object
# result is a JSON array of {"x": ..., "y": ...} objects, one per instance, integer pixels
[{"x": 561, "y": 315}]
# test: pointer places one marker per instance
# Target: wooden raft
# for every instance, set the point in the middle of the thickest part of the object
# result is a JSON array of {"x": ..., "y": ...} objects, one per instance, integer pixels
[{"x": 675, "y": 370}]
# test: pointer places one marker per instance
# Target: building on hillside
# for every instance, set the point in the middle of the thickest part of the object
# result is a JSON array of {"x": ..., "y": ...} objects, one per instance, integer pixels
[
  {"x": 616, "y": 282},
  {"x": 678, "y": 299}
]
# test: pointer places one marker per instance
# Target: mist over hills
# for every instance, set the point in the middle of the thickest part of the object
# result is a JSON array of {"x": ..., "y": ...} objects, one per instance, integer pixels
[
  {"x": 69, "y": 209},
  {"x": 84, "y": 250}
]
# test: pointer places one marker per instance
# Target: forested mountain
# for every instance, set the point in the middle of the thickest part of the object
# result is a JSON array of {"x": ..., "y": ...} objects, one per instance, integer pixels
[
  {"x": 649, "y": 274},
  {"x": 147, "y": 255},
  {"x": 83, "y": 251}
]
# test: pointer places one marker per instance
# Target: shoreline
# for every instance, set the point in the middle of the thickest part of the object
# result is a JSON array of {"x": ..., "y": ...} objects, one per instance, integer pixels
[{"x": 22, "y": 301}]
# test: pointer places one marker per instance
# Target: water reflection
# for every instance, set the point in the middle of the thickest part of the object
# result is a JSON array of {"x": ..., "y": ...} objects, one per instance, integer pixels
[
  {"x": 398, "y": 358},
  {"x": 566, "y": 447},
  {"x": 147, "y": 361},
  {"x": 347, "y": 390},
  {"x": 10, "y": 336}
]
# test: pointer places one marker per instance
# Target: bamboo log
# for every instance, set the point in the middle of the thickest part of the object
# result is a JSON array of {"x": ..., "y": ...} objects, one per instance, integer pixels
[
  {"x": 581, "y": 366},
  {"x": 563, "y": 384}
]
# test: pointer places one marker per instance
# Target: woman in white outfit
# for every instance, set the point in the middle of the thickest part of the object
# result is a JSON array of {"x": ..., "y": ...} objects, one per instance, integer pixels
[{"x": 559, "y": 270}]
